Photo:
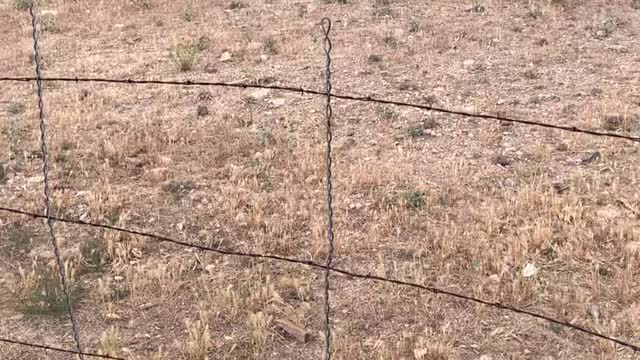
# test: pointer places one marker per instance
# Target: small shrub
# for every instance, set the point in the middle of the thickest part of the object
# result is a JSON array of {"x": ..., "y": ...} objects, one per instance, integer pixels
[
  {"x": 15, "y": 109},
  {"x": 390, "y": 41},
  {"x": 382, "y": 8},
  {"x": 47, "y": 297},
  {"x": 531, "y": 74},
  {"x": 22, "y": 4},
  {"x": 18, "y": 240},
  {"x": 414, "y": 26},
  {"x": 184, "y": 57},
  {"x": 415, "y": 199},
  {"x": 373, "y": 58},
  {"x": 535, "y": 11},
  {"x": 387, "y": 113},
  {"x": 416, "y": 131},
  {"x": 635, "y": 4},
  {"x": 235, "y": 5},
  {"x": 270, "y": 45},
  {"x": 188, "y": 15},
  {"x": 94, "y": 255}
]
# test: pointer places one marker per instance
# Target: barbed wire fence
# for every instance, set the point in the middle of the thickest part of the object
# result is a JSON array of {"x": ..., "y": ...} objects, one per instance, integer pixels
[{"x": 327, "y": 267}]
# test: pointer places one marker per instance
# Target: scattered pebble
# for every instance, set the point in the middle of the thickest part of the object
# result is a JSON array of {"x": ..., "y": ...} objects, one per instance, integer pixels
[
  {"x": 594, "y": 311},
  {"x": 529, "y": 270},
  {"x": 225, "y": 57},
  {"x": 503, "y": 160},
  {"x": 203, "y": 110}
]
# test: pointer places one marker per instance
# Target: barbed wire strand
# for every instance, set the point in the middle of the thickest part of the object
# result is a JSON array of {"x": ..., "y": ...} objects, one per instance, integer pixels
[
  {"x": 45, "y": 171},
  {"x": 368, "y": 99},
  {"x": 326, "y": 29},
  {"x": 53, "y": 348},
  {"x": 310, "y": 263}
]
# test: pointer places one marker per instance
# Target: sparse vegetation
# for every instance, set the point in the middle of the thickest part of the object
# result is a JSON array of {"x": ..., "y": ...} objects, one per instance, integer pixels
[
  {"x": 390, "y": 41},
  {"x": 382, "y": 8},
  {"x": 188, "y": 15},
  {"x": 436, "y": 199},
  {"x": 22, "y": 4},
  {"x": 270, "y": 45},
  {"x": 184, "y": 55},
  {"x": 42, "y": 293},
  {"x": 235, "y": 5},
  {"x": 416, "y": 131},
  {"x": 415, "y": 199},
  {"x": 387, "y": 113},
  {"x": 110, "y": 342},
  {"x": 373, "y": 58},
  {"x": 18, "y": 241}
]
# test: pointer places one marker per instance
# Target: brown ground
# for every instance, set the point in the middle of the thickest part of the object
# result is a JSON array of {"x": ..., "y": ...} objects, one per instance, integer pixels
[{"x": 418, "y": 196}]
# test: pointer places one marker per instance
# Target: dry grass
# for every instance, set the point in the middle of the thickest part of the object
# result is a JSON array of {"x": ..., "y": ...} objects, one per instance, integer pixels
[{"x": 418, "y": 196}]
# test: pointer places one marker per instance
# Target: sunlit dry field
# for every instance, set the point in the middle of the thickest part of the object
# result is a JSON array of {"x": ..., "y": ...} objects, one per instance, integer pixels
[{"x": 537, "y": 219}]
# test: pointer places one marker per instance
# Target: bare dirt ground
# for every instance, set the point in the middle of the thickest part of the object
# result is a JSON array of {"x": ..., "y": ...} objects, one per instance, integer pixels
[{"x": 512, "y": 214}]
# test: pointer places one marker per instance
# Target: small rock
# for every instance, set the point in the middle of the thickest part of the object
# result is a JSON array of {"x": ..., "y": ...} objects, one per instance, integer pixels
[
  {"x": 259, "y": 94},
  {"x": 468, "y": 64},
  {"x": 509, "y": 183},
  {"x": 430, "y": 123},
  {"x": 485, "y": 357},
  {"x": 494, "y": 278},
  {"x": 264, "y": 57},
  {"x": 210, "y": 69},
  {"x": 311, "y": 179},
  {"x": 594, "y": 311},
  {"x": 501, "y": 101},
  {"x": 613, "y": 121},
  {"x": 529, "y": 270},
  {"x": 203, "y": 110},
  {"x": 118, "y": 278},
  {"x": 113, "y": 316},
  {"x": 226, "y": 56},
  {"x": 356, "y": 206},
  {"x": 84, "y": 93},
  {"x": 503, "y": 160},
  {"x": 562, "y": 147},
  {"x": 242, "y": 219},
  {"x": 278, "y": 102},
  {"x": 591, "y": 158}
]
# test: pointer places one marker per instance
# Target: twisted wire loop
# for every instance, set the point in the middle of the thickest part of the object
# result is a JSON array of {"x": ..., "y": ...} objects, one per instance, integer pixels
[
  {"x": 326, "y": 28},
  {"x": 45, "y": 171}
]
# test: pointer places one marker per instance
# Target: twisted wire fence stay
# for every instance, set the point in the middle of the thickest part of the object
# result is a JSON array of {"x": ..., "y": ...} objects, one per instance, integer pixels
[
  {"x": 327, "y": 267},
  {"x": 326, "y": 29},
  {"x": 47, "y": 197}
]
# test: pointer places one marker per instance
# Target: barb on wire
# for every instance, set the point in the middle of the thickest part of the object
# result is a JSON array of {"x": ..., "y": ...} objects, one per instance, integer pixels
[
  {"x": 368, "y": 99},
  {"x": 312, "y": 264},
  {"x": 45, "y": 171},
  {"x": 53, "y": 348},
  {"x": 326, "y": 29}
]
